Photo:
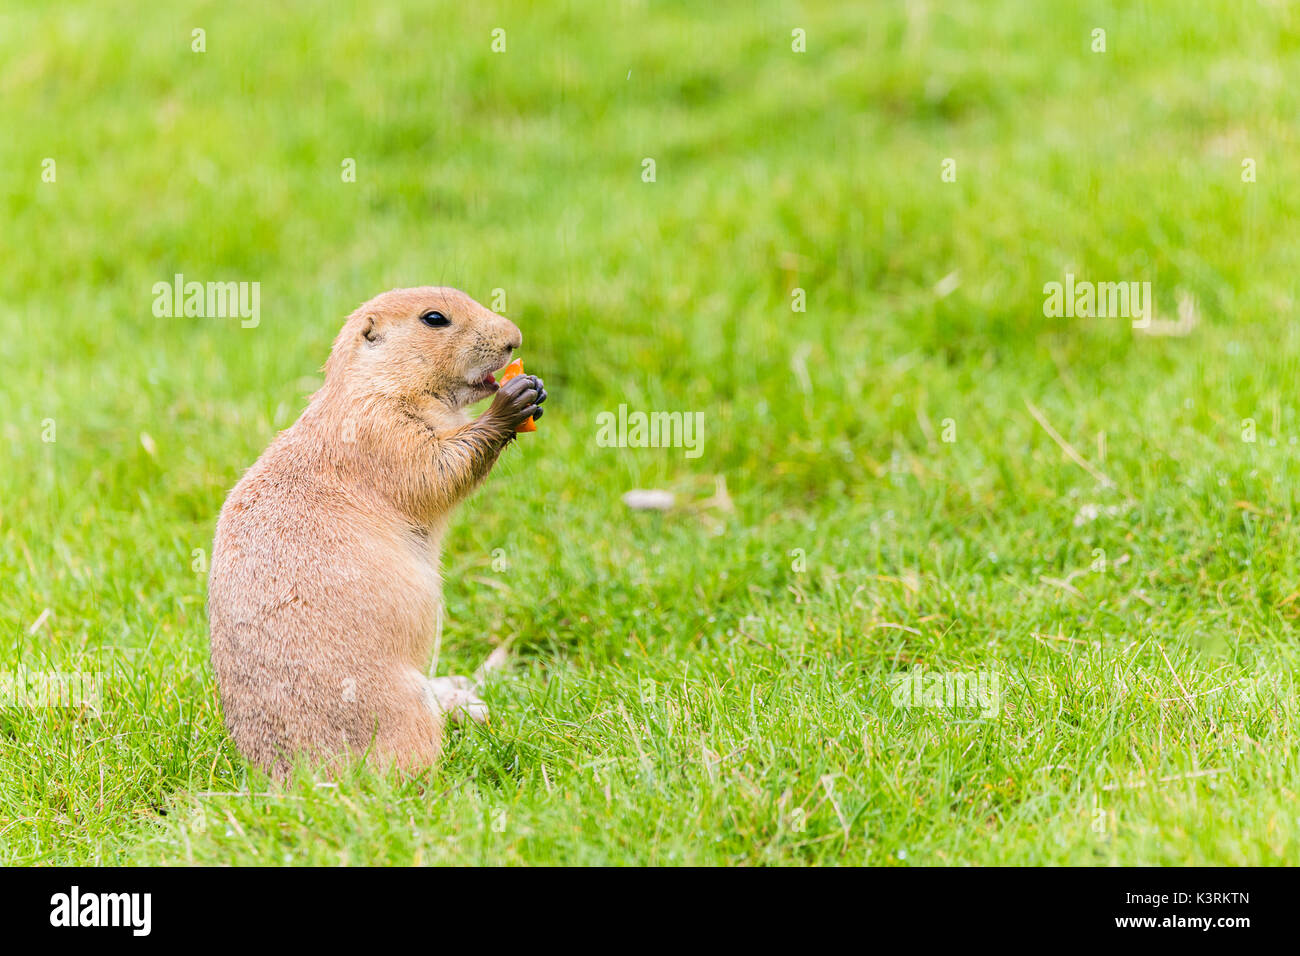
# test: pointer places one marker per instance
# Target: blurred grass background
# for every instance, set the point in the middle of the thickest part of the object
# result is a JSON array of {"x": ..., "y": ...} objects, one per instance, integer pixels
[{"x": 682, "y": 691}]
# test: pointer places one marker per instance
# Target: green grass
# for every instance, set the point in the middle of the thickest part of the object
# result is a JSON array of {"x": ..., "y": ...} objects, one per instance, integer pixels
[{"x": 708, "y": 685}]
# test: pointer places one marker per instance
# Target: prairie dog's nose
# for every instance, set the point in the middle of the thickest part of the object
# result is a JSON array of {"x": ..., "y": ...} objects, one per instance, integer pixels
[{"x": 513, "y": 337}]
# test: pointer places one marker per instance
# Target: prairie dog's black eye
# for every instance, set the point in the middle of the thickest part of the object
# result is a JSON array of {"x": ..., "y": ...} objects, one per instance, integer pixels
[{"x": 435, "y": 319}]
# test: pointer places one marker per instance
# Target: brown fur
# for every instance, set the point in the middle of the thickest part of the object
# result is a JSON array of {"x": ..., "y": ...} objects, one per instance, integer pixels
[{"x": 324, "y": 591}]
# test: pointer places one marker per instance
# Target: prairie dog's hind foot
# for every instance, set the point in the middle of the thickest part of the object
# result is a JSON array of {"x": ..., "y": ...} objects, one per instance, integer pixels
[{"x": 456, "y": 697}]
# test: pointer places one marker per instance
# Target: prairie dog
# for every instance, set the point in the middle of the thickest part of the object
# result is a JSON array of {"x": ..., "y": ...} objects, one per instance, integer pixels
[{"x": 324, "y": 591}]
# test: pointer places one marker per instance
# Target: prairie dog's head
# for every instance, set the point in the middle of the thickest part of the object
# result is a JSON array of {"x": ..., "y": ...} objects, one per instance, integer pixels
[{"x": 428, "y": 341}]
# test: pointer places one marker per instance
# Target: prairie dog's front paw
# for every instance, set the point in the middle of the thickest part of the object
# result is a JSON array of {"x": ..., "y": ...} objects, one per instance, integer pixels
[
  {"x": 519, "y": 400},
  {"x": 456, "y": 698}
]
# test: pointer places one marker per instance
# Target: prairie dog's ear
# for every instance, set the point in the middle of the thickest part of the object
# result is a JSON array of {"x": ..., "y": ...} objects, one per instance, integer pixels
[{"x": 368, "y": 331}]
